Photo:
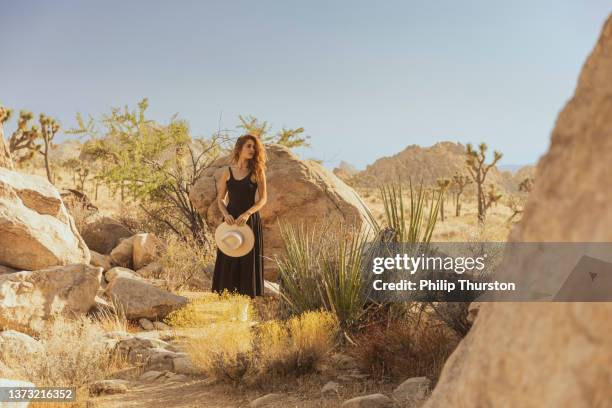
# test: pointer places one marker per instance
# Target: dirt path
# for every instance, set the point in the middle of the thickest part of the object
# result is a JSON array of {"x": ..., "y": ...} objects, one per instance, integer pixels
[{"x": 200, "y": 392}]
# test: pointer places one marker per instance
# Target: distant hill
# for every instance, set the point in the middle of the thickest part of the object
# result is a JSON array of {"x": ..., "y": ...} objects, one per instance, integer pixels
[
  {"x": 442, "y": 160},
  {"x": 345, "y": 170},
  {"x": 513, "y": 168}
]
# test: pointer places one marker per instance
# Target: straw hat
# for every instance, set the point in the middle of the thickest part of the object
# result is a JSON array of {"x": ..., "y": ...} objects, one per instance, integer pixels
[{"x": 234, "y": 240}]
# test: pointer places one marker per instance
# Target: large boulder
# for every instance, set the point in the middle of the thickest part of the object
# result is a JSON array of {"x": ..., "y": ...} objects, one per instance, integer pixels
[
  {"x": 138, "y": 298},
  {"x": 104, "y": 233},
  {"x": 551, "y": 354},
  {"x": 5, "y": 154},
  {"x": 298, "y": 191},
  {"x": 36, "y": 229},
  {"x": 28, "y": 298}
]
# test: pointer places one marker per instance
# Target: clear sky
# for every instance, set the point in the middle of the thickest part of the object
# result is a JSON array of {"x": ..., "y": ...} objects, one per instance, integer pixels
[{"x": 365, "y": 79}]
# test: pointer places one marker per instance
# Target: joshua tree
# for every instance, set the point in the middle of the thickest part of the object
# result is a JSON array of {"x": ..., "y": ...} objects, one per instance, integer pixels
[
  {"x": 516, "y": 205},
  {"x": 478, "y": 170},
  {"x": 443, "y": 184},
  {"x": 5, "y": 114},
  {"x": 48, "y": 129},
  {"x": 459, "y": 182},
  {"x": 492, "y": 196},
  {"x": 24, "y": 138},
  {"x": 526, "y": 185},
  {"x": 82, "y": 171}
]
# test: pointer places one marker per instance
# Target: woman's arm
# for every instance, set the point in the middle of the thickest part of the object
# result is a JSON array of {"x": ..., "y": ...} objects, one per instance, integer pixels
[{"x": 221, "y": 194}]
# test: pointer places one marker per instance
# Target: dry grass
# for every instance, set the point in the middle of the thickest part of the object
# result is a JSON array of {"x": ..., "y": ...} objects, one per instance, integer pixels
[
  {"x": 228, "y": 348},
  {"x": 184, "y": 264},
  {"x": 73, "y": 355},
  {"x": 206, "y": 308}
]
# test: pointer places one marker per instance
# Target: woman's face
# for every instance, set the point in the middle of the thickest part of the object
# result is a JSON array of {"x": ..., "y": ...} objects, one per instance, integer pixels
[{"x": 248, "y": 149}]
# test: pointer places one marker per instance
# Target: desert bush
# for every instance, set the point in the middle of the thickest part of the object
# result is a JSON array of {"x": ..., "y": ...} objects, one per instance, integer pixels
[
  {"x": 404, "y": 349},
  {"x": 235, "y": 352},
  {"x": 73, "y": 355},
  {"x": 184, "y": 263},
  {"x": 454, "y": 315}
]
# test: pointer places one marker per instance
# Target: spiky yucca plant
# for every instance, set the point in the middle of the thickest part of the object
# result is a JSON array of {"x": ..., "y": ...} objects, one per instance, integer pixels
[
  {"x": 418, "y": 227},
  {"x": 299, "y": 268},
  {"x": 342, "y": 275}
]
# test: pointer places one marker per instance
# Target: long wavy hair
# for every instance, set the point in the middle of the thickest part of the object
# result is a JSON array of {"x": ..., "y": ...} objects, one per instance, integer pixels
[{"x": 257, "y": 164}]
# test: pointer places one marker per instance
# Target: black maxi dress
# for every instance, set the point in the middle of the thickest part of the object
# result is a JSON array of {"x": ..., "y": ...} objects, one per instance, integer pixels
[{"x": 241, "y": 274}]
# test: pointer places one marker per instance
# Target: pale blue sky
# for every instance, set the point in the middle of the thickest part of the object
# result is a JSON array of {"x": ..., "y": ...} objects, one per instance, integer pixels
[{"x": 365, "y": 79}]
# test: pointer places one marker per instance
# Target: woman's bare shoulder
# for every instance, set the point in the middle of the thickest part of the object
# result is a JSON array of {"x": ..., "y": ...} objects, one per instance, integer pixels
[{"x": 224, "y": 174}]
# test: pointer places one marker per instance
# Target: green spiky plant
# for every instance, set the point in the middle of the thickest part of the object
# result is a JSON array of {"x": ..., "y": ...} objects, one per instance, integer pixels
[
  {"x": 287, "y": 137},
  {"x": 299, "y": 268},
  {"x": 418, "y": 227},
  {"x": 324, "y": 267}
]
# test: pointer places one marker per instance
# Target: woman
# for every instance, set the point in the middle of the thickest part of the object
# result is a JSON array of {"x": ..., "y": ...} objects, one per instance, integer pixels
[{"x": 240, "y": 181}]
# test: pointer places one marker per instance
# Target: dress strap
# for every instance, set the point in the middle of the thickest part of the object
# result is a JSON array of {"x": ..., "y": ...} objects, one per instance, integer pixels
[{"x": 230, "y": 170}]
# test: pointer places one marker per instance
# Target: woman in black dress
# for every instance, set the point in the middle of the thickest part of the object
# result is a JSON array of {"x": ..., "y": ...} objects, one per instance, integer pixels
[{"x": 240, "y": 181}]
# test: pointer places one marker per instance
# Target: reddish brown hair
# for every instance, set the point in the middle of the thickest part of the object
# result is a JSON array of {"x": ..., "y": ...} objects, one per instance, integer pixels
[{"x": 257, "y": 164}]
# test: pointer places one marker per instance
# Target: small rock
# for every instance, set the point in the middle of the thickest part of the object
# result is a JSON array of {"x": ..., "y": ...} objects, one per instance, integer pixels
[
  {"x": 148, "y": 335},
  {"x": 122, "y": 254},
  {"x": 151, "y": 270},
  {"x": 413, "y": 390},
  {"x": 108, "y": 387},
  {"x": 178, "y": 377},
  {"x": 17, "y": 343},
  {"x": 144, "y": 249},
  {"x": 119, "y": 335},
  {"x": 368, "y": 401},
  {"x": 158, "y": 359},
  {"x": 120, "y": 272},
  {"x": 146, "y": 324},
  {"x": 140, "y": 298},
  {"x": 98, "y": 259},
  {"x": 265, "y": 400},
  {"x": 183, "y": 365},
  {"x": 151, "y": 375},
  {"x": 161, "y": 326},
  {"x": 331, "y": 388}
]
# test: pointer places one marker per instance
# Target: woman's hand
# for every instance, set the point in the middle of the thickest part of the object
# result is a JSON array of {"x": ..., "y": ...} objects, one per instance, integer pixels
[
  {"x": 229, "y": 219},
  {"x": 243, "y": 218}
]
